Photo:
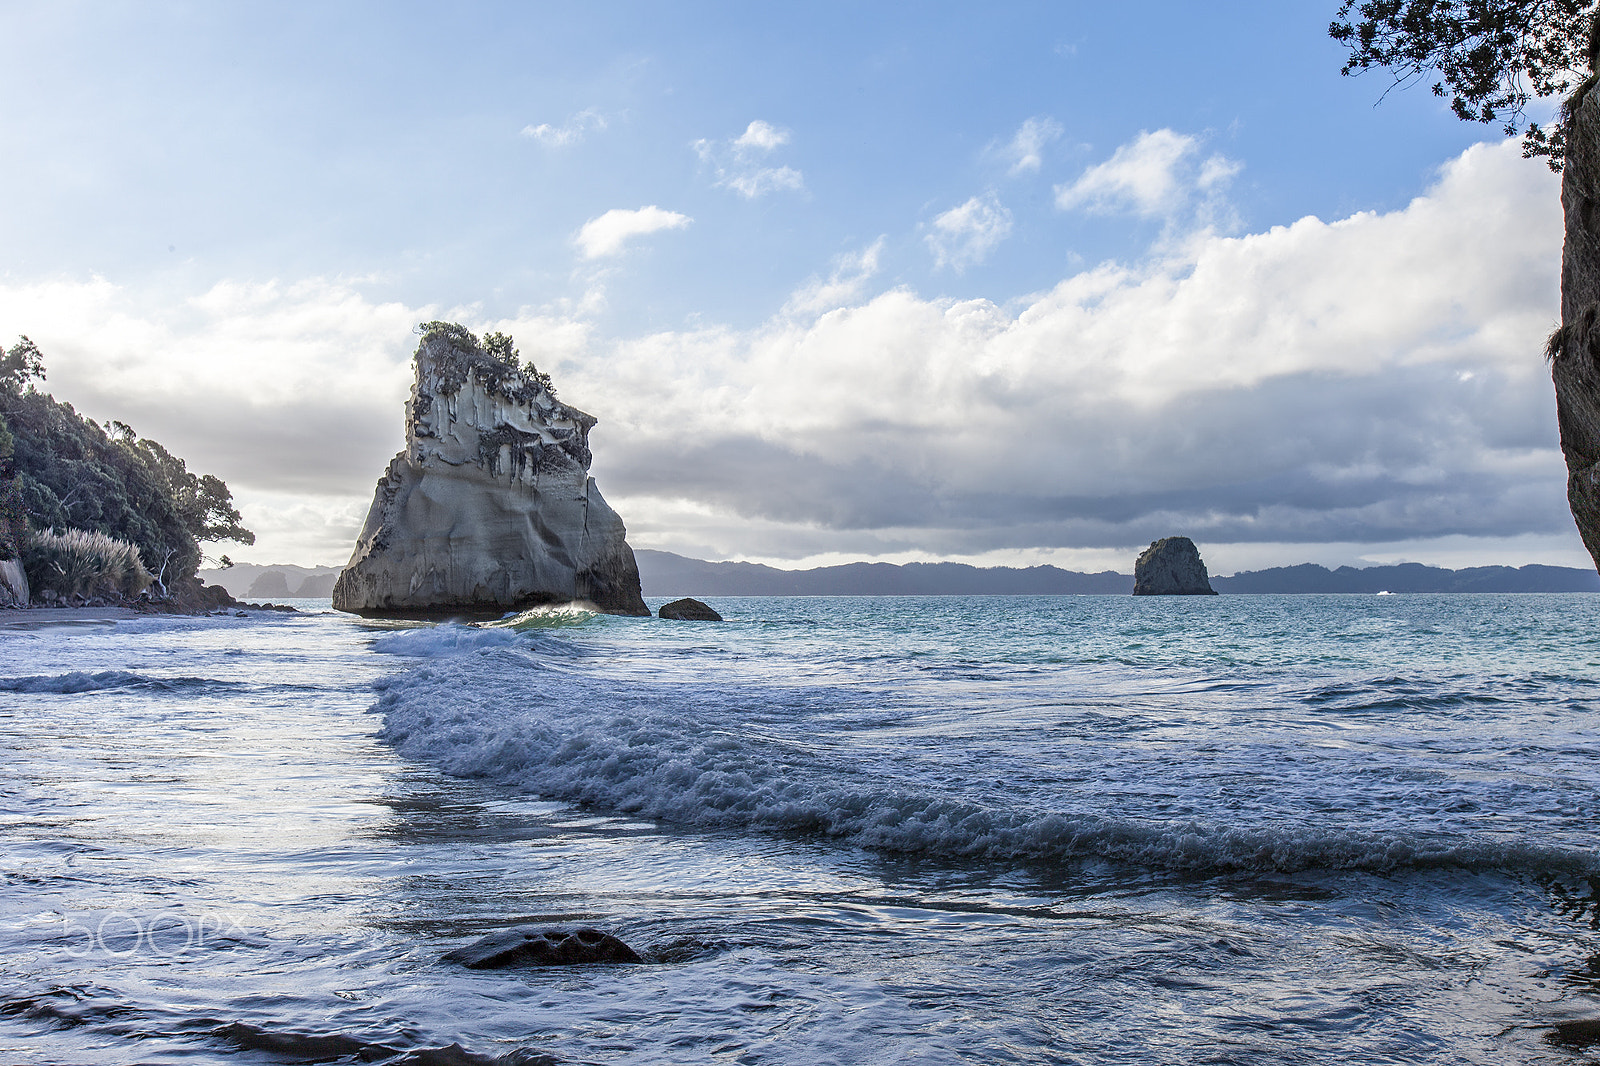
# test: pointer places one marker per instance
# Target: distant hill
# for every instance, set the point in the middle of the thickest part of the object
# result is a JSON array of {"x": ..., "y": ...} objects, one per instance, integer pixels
[
  {"x": 666, "y": 574},
  {"x": 1408, "y": 577},
  {"x": 256, "y": 581}
]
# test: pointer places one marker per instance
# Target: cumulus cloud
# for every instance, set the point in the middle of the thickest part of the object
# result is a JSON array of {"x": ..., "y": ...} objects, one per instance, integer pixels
[
  {"x": 607, "y": 234},
  {"x": 1370, "y": 380},
  {"x": 741, "y": 164},
  {"x": 1026, "y": 147},
  {"x": 570, "y": 132},
  {"x": 1156, "y": 175},
  {"x": 966, "y": 234},
  {"x": 1373, "y": 378}
]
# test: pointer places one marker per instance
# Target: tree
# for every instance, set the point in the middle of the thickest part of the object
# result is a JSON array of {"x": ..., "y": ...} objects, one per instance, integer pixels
[
  {"x": 203, "y": 501},
  {"x": 20, "y": 365},
  {"x": 68, "y": 472},
  {"x": 1492, "y": 57}
]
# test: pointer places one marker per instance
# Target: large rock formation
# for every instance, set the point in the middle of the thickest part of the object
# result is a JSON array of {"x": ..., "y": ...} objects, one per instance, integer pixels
[
  {"x": 490, "y": 507},
  {"x": 1574, "y": 348},
  {"x": 1171, "y": 566}
]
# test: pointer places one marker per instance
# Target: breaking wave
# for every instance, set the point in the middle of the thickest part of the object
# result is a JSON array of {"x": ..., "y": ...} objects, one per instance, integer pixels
[
  {"x": 100, "y": 681},
  {"x": 743, "y": 756}
]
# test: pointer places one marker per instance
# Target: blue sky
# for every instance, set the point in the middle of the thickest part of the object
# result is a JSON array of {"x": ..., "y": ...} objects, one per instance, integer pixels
[{"x": 1009, "y": 283}]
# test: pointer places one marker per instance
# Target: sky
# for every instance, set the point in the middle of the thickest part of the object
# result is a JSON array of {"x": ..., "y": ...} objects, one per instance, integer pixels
[{"x": 1009, "y": 283}]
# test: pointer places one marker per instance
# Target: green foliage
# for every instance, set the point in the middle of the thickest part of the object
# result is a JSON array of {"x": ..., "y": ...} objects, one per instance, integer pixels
[
  {"x": 494, "y": 360},
  {"x": 458, "y": 335},
  {"x": 67, "y": 472},
  {"x": 203, "y": 501},
  {"x": 80, "y": 563},
  {"x": 500, "y": 346},
  {"x": 1492, "y": 57},
  {"x": 21, "y": 364},
  {"x": 13, "y": 518}
]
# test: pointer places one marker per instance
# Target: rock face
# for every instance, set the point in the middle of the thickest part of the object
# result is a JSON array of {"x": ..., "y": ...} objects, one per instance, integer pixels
[
  {"x": 535, "y": 945},
  {"x": 1171, "y": 567},
  {"x": 1574, "y": 348},
  {"x": 688, "y": 610},
  {"x": 490, "y": 507},
  {"x": 13, "y": 584}
]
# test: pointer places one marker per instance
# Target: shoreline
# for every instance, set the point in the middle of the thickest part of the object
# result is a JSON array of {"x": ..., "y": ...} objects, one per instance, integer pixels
[{"x": 42, "y": 617}]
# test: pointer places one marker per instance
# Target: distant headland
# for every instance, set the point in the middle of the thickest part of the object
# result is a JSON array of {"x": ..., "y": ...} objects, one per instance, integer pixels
[{"x": 664, "y": 574}]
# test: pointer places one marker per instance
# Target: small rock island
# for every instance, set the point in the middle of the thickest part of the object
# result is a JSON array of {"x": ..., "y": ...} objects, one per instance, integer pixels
[
  {"x": 1171, "y": 566},
  {"x": 490, "y": 507}
]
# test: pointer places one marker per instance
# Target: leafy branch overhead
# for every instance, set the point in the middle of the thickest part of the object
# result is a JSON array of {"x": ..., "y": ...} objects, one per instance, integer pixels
[{"x": 1492, "y": 58}]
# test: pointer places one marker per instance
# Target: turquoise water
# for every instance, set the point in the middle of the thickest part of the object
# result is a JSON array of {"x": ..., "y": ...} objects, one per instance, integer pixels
[{"x": 943, "y": 829}]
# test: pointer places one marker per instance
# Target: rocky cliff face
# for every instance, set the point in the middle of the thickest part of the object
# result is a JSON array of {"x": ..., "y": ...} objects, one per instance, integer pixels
[
  {"x": 1171, "y": 567},
  {"x": 491, "y": 506},
  {"x": 1574, "y": 348}
]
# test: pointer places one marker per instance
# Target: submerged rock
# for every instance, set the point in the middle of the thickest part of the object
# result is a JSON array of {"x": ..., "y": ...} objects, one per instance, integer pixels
[
  {"x": 1574, "y": 348},
  {"x": 490, "y": 508},
  {"x": 541, "y": 945},
  {"x": 1171, "y": 566},
  {"x": 688, "y": 610}
]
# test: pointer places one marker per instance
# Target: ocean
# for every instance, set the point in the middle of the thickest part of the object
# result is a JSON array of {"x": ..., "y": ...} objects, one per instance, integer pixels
[{"x": 1094, "y": 829}]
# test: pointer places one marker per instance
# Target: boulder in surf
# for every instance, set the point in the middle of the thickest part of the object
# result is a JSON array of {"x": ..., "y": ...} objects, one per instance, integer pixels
[{"x": 688, "y": 610}]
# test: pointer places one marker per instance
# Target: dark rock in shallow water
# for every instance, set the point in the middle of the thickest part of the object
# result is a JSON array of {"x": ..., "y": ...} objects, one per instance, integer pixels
[
  {"x": 1582, "y": 1033},
  {"x": 541, "y": 945},
  {"x": 1171, "y": 567},
  {"x": 340, "y": 1047},
  {"x": 688, "y": 610}
]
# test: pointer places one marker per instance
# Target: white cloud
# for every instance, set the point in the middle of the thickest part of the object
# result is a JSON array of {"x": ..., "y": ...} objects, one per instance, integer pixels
[
  {"x": 965, "y": 235},
  {"x": 844, "y": 285},
  {"x": 757, "y": 182},
  {"x": 570, "y": 132},
  {"x": 606, "y": 234},
  {"x": 1298, "y": 385},
  {"x": 1026, "y": 147},
  {"x": 1154, "y": 175},
  {"x": 761, "y": 136},
  {"x": 740, "y": 164},
  {"x": 1373, "y": 380}
]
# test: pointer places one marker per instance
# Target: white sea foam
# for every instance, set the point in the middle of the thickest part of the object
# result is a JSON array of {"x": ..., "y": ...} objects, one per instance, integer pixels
[
  {"x": 687, "y": 754},
  {"x": 450, "y": 638}
]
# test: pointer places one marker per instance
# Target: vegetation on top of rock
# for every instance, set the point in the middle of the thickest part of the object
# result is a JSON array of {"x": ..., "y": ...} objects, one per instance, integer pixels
[
  {"x": 61, "y": 471},
  {"x": 1493, "y": 57},
  {"x": 495, "y": 361}
]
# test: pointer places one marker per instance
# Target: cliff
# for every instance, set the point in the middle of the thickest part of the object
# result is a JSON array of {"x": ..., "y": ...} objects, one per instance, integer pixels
[
  {"x": 1574, "y": 348},
  {"x": 490, "y": 507}
]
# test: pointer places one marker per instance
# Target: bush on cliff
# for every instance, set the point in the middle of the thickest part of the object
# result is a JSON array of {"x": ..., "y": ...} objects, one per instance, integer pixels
[{"x": 66, "y": 472}]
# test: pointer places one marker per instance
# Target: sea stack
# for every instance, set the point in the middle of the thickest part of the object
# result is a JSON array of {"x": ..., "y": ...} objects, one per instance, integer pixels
[
  {"x": 1171, "y": 566},
  {"x": 1574, "y": 348},
  {"x": 490, "y": 507}
]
